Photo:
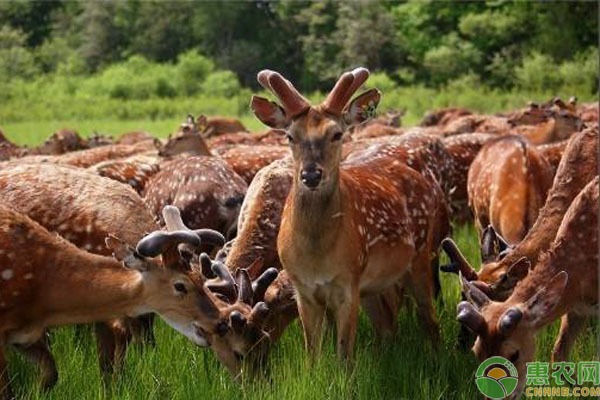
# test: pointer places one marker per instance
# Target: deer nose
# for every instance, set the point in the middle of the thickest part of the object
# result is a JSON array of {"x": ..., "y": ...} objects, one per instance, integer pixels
[{"x": 311, "y": 176}]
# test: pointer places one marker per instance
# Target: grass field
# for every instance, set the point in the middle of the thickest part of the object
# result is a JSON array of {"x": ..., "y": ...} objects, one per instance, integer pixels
[{"x": 175, "y": 369}]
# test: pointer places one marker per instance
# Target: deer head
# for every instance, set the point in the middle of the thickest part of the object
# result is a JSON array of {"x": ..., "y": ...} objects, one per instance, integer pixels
[
  {"x": 176, "y": 294},
  {"x": 315, "y": 132},
  {"x": 186, "y": 140},
  {"x": 508, "y": 329},
  {"x": 493, "y": 279}
]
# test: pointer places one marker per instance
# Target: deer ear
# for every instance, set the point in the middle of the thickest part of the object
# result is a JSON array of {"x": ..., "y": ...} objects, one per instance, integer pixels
[
  {"x": 269, "y": 112},
  {"x": 125, "y": 253},
  {"x": 201, "y": 121},
  {"x": 362, "y": 107},
  {"x": 546, "y": 299}
]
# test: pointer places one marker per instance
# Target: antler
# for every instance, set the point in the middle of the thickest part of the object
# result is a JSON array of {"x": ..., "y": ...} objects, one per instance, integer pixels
[
  {"x": 292, "y": 101},
  {"x": 343, "y": 90},
  {"x": 173, "y": 222}
]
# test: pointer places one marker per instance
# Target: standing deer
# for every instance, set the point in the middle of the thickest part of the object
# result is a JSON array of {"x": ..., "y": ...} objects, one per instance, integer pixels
[
  {"x": 508, "y": 182},
  {"x": 563, "y": 284},
  {"x": 348, "y": 230},
  {"x": 47, "y": 281}
]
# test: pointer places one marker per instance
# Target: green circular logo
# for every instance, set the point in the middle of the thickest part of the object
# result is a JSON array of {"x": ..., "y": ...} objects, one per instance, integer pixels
[{"x": 496, "y": 378}]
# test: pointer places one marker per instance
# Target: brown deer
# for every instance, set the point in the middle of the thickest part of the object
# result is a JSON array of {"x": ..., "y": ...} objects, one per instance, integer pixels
[
  {"x": 187, "y": 140},
  {"x": 206, "y": 190},
  {"x": 564, "y": 285},
  {"x": 47, "y": 281},
  {"x": 507, "y": 184},
  {"x": 498, "y": 275},
  {"x": 347, "y": 231},
  {"x": 83, "y": 208},
  {"x": 247, "y": 160},
  {"x": 237, "y": 329},
  {"x": 270, "y": 137}
]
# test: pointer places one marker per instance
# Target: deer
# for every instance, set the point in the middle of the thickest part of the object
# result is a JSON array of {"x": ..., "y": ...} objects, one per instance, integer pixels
[
  {"x": 216, "y": 126},
  {"x": 134, "y": 137},
  {"x": 345, "y": 228},
  {"x": 206, "y": 190},
  {"x": 247, "y": 160},
  {"x": 503, "y": 267},
  {"x": 48, "y": 281},
  {"x": 443, "y": 116},
  {"x": 508, "y": 183},
  {"x": 187, "y": 140},
  {"x": 134, "y": 171},
  {"x": 84, "y": 209},
  {"x": 563, "y": 285},
  {"x": 462, "y": 150}
]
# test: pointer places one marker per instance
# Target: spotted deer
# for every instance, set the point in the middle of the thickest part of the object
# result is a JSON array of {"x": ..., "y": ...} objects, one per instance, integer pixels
[
  {"x": 47, "y": 282},
  {"x": 507, "y": 184},
  {"x": 84, "y": 209},
  {"x": 499, "y": 273},
  {"x": 443, "y": 116},
  {"x": 236, "y": 326},
  {"x": 347, "y": 230},
  {"x": 270, "y": 137},
  {"x": 563, "y": 285},
  {"x": 206, "y": 190},
  {"x": 462, "y": 150},
  {"x": 134, "y": 137}
]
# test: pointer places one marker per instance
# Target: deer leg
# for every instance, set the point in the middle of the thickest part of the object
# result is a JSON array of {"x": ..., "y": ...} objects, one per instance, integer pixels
[
  {"x": 5, "y": 390},
  {"x": 39, "y": 353},
  {"x": 420, "y": 282},
  {"x": 311, "y": 316},
  {"x": 346, "y": 318},
  {"x": 570, "y": 326},
  {"x": 112, "y": 339},
  {"x": 141, "y": 329},
  {"x": 382, "y": 311}
]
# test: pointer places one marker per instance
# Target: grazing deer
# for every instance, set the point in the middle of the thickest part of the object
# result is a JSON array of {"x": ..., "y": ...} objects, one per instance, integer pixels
[
  {"x": 347, "y": 231},
  {"x": 247, "y": 160},
  {"x": 500, "y": 272},
  {"x": 47, "y": 281},
  {"x": 206, "y": 190},
  {"x": 563, "y": 284},
  {"x": 507, "y": 184},
  {"x": 83, "y": 208},
  {"x": 235, "y": 328}
]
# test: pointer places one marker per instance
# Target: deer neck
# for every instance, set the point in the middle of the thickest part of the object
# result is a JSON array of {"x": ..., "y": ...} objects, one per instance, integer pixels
[
  {"x": 313, "y": 212},
  {"x": 91, "y": 288}
]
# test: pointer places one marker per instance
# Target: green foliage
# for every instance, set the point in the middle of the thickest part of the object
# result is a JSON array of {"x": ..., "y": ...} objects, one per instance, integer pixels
[
  {"x": 16, "y": 61},
  {"x": 381, "y": 81},
  {"x": 451, "y": 59},
  {"x": 537, "y": 72},
  {"x": 221, "y": 83},
  {"x": 192, "y": 69}
]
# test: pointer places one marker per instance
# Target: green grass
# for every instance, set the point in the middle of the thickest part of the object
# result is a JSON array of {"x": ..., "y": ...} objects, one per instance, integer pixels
[{"x": 175, "y": 369}]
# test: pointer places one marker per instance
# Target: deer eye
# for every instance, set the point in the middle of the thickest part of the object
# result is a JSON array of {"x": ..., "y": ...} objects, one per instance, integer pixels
[
  {"x": 290, "y": 138},
  {"x": 180, "y": 288},
  {"x": 514, "y": 357},
  {"x": 337, "y": 136}
]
